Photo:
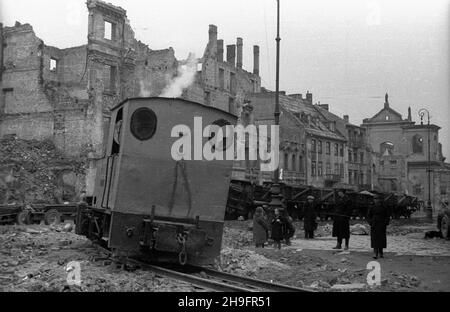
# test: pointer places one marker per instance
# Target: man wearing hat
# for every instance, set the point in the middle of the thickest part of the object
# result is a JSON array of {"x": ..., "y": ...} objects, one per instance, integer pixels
[
  {"x": 309, "y": 217},
  {"x": 341, "y": 220}
]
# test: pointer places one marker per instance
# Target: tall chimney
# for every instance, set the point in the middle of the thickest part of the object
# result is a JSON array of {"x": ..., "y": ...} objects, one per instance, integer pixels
[
  {"x": 309, "y": 97},
  {"x": 409, "y": 114},
  {"x": 220, "y": 50},
  {"x": 346, "y": 118},
  {"x": 212, "y": 33},
  {"x": 212, "y": 44},
  {"x": 256, "y": 60},
  {"x": 231, "y": 54},
  {"x": 239, "y": 45}
]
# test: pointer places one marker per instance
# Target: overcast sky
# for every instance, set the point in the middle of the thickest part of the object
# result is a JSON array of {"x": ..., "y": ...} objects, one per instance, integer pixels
[{"x": 348, "y": 53}]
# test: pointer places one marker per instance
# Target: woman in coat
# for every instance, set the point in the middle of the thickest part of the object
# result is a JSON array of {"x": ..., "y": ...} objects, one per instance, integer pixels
[
  {"x": 341, "y": 221},
  {"x": 309, "y": 217},
  {"x": 260, "y": 228},
  {"x": 378, "y": 217}
]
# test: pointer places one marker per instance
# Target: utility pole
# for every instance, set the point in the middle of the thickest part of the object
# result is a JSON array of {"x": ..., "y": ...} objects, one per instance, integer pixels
[
  {"x": 275, "y": 188},
  {"x": 429, "y": 207}
]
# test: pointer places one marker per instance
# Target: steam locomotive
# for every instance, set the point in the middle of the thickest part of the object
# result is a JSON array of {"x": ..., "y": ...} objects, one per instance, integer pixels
[{"x": 149, "y": 204}]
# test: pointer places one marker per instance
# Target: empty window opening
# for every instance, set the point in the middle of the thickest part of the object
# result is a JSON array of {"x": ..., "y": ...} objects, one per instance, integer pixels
[
  {"x": 53, "y": 64},
  {"x": 110, "y": 30}
]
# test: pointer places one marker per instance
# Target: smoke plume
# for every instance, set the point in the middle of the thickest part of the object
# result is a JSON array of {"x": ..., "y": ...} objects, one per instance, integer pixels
[
  {"x": 146, "y": 88},
  {"x": 185, "y": 77}
]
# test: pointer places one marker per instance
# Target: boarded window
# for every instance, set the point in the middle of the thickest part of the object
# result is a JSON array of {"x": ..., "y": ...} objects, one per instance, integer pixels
[
  {"x": 233, "y": 84},
  {"x": 231, "y": 105},
  {"x": 109, "y": 78},
  {"x": 221, "y": 78}
]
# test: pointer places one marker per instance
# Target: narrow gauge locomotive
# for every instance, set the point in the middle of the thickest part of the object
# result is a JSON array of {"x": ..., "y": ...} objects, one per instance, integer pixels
[{"x": 145, "y": 202}]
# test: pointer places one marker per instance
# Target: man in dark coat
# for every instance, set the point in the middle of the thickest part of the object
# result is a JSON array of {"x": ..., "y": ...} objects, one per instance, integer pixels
[
  {"x": 279, "y": 223},
  {"x": 260, "y": 228},
  {"x": 309, "y": 217},
  {"x": 378, "y": 217},
  {"x": 341, "y": 220}
]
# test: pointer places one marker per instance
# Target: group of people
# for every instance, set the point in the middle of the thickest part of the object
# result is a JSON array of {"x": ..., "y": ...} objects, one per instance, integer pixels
[{"x": 280, "y": 226}]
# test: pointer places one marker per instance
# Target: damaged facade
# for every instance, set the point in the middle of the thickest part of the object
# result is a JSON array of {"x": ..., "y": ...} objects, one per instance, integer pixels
[{"x": 65, "y": 95}]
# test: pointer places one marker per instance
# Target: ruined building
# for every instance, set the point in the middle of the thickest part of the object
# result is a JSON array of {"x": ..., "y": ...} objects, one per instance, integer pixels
[
  {"x": 223, "y": 83},
  {"x": 65, "y": 95}
]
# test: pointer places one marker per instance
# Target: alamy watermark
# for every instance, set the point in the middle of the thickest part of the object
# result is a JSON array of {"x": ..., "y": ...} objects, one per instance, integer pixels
[{"x": 227, "y": 142}]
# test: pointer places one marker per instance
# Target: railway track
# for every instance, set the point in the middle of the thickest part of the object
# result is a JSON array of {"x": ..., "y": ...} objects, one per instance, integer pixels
[{"x": 212, "y": 280}]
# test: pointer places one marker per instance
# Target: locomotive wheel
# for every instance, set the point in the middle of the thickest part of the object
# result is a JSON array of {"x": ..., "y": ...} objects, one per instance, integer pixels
[
  {"x": 445, "y": 227},
  {"x": 52, "y": 216},
  {"x": 23, "y": 218}
]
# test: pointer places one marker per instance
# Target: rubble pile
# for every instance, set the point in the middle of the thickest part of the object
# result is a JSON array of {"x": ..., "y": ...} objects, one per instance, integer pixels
[
  {"x": 36, "y": 258},
  {"x": 30, "y": 165},
  {"x": 245, "y": 261},
  {"x": 238, "y": 236}
]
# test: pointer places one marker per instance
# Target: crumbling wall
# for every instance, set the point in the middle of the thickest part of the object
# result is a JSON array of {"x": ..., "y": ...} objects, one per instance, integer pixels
[
  {"x": 23, "y": 71},
  {"x": 154, "y": 70}
]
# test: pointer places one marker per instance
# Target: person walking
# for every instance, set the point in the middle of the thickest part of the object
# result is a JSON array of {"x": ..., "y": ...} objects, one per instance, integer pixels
[
  {"x": 278, "y": 228},
  {"x": 260, "y": 228},
  {"x": 341, "y": 221},
  {"x": 378, "y": 217},
  {"x": 309, "y": 218}
]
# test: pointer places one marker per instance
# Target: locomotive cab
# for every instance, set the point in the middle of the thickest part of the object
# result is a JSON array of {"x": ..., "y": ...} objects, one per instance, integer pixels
[{"x": 147, "y": 200}]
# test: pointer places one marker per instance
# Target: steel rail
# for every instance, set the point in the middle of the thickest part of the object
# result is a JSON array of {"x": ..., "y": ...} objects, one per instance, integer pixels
[
  {"x": 257, "y": 284},
  {"x": 215, "y": 280}
]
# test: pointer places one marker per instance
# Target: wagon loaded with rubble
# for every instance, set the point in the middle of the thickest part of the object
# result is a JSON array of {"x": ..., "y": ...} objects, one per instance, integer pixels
[{"x": 244, "y": 197}]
